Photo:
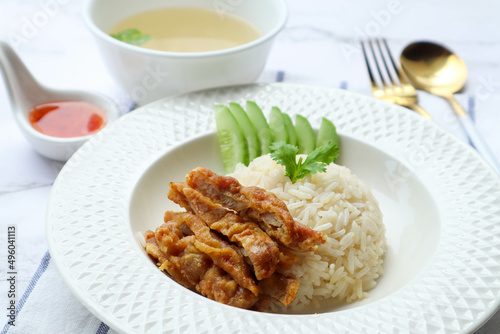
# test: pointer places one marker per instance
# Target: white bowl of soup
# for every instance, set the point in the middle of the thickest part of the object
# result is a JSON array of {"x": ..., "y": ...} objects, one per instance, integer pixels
[{"x": 159, "y": 48}]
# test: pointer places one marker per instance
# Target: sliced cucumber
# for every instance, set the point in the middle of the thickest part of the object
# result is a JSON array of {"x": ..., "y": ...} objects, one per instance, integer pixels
[
  {"x": 278, "y": 131},
  {"x": 233, "y": 145},
  {"x": 305, "y": 135},
  {"x": 327, "y": 133},
  {"x": 248, "y": 130},
  {"x": 260, "y": 124},
  {"x": 290, "y": 129}
]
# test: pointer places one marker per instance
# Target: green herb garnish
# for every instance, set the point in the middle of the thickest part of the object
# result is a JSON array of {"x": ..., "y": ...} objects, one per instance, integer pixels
[
  {"x": 286, "y": 155},
  {"x": 132, "y": 36}
]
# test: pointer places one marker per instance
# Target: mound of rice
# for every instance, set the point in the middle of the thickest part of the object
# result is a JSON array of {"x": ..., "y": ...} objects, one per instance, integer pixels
[{"x": 340, "y": 205}]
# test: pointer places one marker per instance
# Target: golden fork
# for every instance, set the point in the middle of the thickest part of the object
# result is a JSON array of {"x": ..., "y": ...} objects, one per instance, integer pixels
[{"x": 388, "y": 81}]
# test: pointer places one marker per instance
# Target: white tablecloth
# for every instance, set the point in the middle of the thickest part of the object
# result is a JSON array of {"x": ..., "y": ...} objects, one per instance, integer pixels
[{"x": 317, "y": 47}]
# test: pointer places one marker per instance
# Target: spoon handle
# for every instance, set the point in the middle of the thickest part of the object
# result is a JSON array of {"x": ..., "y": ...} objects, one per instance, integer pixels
[
  {"x": 478, "y": 141},
  {"x": 420, "y": 110},
  {"x": 459, "y": 110},
  {"x": 473, "y": 134},
  {"x": 22, "y": 87}
]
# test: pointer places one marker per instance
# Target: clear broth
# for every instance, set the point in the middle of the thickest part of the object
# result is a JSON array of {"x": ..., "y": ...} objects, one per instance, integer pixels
[{"x": 185, "y": 29}]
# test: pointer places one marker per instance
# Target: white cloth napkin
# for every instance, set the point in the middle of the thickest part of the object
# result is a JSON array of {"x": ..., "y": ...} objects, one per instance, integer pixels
[{"x": 48, "y": 306}]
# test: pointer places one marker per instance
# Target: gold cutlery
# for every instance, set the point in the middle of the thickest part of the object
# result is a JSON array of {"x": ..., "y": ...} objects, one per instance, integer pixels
[
  {"x": 387, "y": 80},
  {"x": 437, "y": 70}
]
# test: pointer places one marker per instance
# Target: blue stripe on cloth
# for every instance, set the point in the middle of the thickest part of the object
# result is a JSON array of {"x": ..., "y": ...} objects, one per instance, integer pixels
[
  {"x": 471, "y": 107},
  {"x": 34, "y": 280},
  {"x": 280, "y": 76},
  {"x": 343, "y": 85},
  {"x": 471, "y": 110},
  {"x": 103, "y": 329},
  {"x": 132, "y": 107}
]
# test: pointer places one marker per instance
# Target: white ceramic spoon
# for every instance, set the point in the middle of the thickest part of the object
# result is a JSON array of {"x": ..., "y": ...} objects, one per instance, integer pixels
[{"x": 25, "y": 92}]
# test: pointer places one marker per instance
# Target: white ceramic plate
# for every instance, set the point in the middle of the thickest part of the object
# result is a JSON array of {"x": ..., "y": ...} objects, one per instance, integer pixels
[{"x": 441, "y": 206}]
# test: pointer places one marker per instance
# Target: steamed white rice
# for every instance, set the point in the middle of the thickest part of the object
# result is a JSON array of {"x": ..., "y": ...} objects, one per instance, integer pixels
[{"x": 340, "y": 205}]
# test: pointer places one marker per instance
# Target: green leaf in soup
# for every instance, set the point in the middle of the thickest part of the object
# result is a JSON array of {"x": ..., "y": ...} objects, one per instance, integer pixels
[{"x": 132, "y": 36}]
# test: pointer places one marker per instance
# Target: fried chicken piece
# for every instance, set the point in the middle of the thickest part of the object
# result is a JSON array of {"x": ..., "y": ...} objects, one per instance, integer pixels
[
  {"x": 260, "y": 248},
  {"x": 260, "y": 205},
  {"x": 286, "y": 260},
  {"x": 261, "y": 304},
  {"x": 202, "y": 274},
  {"x": 148, "y": 235},
  {"x": 223, "y": 254},
  {"x": 280, "y": 287},
  {"x": 184, "y": 229},
  {"x": 217, "y": 285},
  {"x": 184, "y": 262},
  {"x": 152, "y": 248},
  {"x": 176, "y": 195}
]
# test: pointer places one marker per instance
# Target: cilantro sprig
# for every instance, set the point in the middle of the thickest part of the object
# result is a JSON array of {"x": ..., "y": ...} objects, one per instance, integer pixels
[
  {"x": 132, "y": 36},
  {"x": 316, "y": 162}
]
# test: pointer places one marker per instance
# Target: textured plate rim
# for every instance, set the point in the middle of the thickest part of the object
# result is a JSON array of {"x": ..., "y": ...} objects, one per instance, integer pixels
[{"x": 87, "y": 152}]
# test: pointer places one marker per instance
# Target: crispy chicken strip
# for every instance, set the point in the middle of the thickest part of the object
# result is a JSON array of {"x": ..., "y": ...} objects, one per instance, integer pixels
[
  {"x": 202, "y": 275},
  {"x": 176, "y": 195},
  {"x": 264, "y": 207},
  {"x": 154, "y": 252},
  {"x": 287, "y": 259},
  {"x": 184, "y": 262},
  {"x": 223, "y": 254},
  {"x": 261, "y": 304},
  {"x": 217, "y": 285},
  {"x": 280, "y": 287},
  {"x": 260, "y": 248}
]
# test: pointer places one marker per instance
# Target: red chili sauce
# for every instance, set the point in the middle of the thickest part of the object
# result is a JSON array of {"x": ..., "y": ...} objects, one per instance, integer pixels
[{"x": 67, "y": 118}]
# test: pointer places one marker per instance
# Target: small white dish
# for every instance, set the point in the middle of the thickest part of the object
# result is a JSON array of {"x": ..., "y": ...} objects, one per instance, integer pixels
[
  {"x": 438, "y": 197},
  {"x": 26, "y": 92},
  {"x": 148, "y": 75}
]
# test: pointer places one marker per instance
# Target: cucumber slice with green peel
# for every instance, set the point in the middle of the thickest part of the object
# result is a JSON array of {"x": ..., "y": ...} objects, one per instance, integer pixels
[
  {"x": 327, "y": 133},
  {"x": 233, "y": 145},
  {"x": 248, "y": 130},
  {"x": 290, "y": 129},
  {"x": 305, "y": 135},
  {"x": 277, "y": 125},
  {"x": 260, "y": 124}
]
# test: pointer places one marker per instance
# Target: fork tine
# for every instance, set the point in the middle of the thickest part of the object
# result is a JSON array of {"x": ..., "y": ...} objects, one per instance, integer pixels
[
  {"x": 399, "y": 92},
  {"x": 378, "y": 64},
  {"x": 401, "y": 76},
  {"x": 374, "y": 84},
  {"x": 390, "y": 74}
]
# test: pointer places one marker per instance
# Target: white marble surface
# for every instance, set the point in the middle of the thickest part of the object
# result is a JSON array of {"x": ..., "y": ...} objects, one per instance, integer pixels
[{"x": 318, "y": 46}]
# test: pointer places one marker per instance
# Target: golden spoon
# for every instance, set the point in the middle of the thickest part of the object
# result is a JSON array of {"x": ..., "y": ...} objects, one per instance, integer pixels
[{"x": 435, "y": 69}]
